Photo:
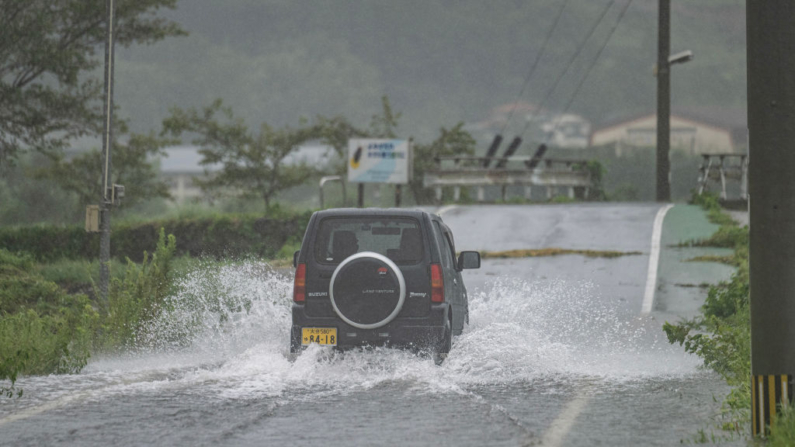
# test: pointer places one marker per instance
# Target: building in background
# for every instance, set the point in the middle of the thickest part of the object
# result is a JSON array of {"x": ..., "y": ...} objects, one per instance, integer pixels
[
  {"x": 568, "y": 130},
  {"x": 183, "y": 163},
  {"x": 179, "y": 167},
  {"x": 692, "y": 134}
]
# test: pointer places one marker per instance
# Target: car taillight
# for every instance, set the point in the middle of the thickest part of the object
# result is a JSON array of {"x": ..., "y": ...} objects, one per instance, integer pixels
[
  {"x": 437, "y": 284},
  {"x": 299, "y": 286}
]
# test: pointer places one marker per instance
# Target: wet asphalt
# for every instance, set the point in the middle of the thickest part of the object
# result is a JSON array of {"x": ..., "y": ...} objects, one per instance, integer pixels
[{"x": 556, "y": 353}]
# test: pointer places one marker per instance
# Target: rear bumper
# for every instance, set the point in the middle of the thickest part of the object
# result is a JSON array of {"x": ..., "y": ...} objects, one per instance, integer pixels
[{"x": 405, "y": 332}]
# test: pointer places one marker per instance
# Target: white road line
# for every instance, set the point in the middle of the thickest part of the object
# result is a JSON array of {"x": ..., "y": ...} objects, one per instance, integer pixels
[
  {"x": 654, "y": 260},
  {"x": 57, "y": 403},
  {"x": 445, "y": 209},
  {"x": 560, "y": 427}
]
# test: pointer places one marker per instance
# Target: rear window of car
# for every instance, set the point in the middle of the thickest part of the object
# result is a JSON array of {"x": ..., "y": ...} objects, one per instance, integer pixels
[{"x": 397, "y": 238}]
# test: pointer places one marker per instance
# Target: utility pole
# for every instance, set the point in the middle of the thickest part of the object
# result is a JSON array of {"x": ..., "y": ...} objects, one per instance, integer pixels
[
  {"x": 107, "y": 193},
  {"x": 771, "y": 108},
  {"x": 664, "y": 102}
]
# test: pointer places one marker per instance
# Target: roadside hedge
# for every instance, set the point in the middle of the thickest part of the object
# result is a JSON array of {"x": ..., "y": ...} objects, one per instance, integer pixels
[{"x": 217, "y": 236}]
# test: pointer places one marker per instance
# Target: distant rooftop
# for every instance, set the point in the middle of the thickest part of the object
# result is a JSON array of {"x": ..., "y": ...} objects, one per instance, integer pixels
[{"x": 184, "y": 160}]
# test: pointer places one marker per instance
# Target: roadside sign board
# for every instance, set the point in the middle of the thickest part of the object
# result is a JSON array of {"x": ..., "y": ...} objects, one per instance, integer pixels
[
  {"x": 379, "y": 161},
  {"x": 92, "y": 219}
]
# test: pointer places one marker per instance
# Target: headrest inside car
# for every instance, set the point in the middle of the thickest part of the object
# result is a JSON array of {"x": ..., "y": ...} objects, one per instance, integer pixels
[
  {"x": 411, "y": 244},
  {"x": 344, "y": 244}
]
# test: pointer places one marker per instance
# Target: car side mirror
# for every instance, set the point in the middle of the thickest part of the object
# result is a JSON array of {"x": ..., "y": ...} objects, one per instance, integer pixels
[
  {"x": 468, "y": 260},
  {"x": 295, "y": 258}
]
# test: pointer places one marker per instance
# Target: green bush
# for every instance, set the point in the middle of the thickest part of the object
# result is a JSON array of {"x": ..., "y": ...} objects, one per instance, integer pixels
[
  {"x": 43, "y": 329},
  {"x": 722, "y": 338},
  {"x": 47, "y": 242},
  {"x": 10, "y": 366},
  {"x": 139, "y": 296},
  {"x": 562, "y": 199},
  {"x": 721, "y": 335},
  {"x": 21, "y": 261},
  {"x": 47, "y": 344},
  {"x": 292, "y": 245},
  {"x": 218, "y": 236},
  {"x": 22, "y": 289},
  {"x": 711, "y": 204},
  {"x": 77, "y": 275},
  {"x": 727, "y": 237},
  {"x": 782, "y": 431},
  {"x": 597, "y": 171}
]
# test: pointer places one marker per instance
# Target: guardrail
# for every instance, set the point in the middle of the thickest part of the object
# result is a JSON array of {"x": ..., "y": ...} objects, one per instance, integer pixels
[
  {"x": 529, "y": 172},
  {"x": 723, "y": 167},
  {"x": 332, "y": 178}
]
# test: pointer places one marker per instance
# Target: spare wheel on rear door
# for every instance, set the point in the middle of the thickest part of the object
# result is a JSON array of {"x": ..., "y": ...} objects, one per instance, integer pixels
[{"x": 367, "y": 290}]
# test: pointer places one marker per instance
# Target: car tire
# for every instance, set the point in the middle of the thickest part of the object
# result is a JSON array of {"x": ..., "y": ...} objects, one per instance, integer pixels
[{"x": 445, "y": 345}]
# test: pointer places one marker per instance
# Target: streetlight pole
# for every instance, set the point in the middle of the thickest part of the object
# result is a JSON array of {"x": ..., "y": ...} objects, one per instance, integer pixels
[
  {"x": 105, "y": 203},
  {"x": 664, "y": 102}
]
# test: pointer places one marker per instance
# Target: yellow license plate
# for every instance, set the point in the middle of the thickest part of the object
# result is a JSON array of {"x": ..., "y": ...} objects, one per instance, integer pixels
[{"x": 326, "y": 336}]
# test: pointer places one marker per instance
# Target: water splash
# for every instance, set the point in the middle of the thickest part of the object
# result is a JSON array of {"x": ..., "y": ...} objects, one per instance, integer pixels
[
  {"x": 227, "y": 328},
  {"x": 225, "y": 335}
]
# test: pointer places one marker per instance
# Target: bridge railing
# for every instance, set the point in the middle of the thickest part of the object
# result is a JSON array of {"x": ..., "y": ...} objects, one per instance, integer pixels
[
  {"x": 528, "y": 172},
  {"x": 722, "y": 167}
]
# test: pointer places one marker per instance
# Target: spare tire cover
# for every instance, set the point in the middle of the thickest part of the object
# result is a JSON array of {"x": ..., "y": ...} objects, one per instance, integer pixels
[{"x": 367, "y": 290}]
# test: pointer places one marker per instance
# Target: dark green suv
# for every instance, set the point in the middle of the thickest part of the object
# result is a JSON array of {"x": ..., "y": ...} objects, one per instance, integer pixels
[{"x": 369, "y": 277}]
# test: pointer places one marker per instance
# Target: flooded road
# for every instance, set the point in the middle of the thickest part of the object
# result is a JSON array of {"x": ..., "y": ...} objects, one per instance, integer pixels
[{"x": 556, "y": 353}]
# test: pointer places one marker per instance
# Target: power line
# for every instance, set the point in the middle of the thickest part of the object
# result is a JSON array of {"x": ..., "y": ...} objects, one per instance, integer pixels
[
  {"x": 590, "y": 68},
  {"x": 535, "y": 64},
  {"x": 569, "y": 64}
]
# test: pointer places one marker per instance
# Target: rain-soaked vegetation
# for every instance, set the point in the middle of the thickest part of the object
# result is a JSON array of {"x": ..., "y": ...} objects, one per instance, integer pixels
[{"x": 721, "y": 335}]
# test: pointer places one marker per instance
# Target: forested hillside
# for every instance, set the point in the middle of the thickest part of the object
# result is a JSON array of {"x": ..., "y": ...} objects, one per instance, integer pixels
[{"x": 439, "y": 61}]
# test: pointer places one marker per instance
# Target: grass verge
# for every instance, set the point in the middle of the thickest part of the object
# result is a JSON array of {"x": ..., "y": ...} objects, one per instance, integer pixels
[
  {"x": 721, "y": 335},
  {"x": 542, "y": 252},
  {"x": 46, "y": 330},
  {"x": 43, "y": 329},
  {"x": 782, "y": 433},
  {"x": 731, "y": 260}
]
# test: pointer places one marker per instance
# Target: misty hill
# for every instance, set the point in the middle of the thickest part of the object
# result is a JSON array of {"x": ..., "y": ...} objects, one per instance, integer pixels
[{"x": 440, "y": 61}]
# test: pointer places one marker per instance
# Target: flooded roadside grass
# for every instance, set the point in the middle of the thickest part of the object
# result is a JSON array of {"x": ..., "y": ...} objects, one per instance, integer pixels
[
  {"x": 720, "y": 335},
  {"x": 52, "y": 319},
  {"x": 543, "y": 252},
  {"x": 731, "y": 260}
]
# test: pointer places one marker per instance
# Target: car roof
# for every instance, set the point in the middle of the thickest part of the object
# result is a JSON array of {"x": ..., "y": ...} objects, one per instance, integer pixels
[{"x": 401, "y": 212}]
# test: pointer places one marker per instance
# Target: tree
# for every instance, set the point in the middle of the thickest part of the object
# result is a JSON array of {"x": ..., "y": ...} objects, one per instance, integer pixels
[
  {"x": 251, "y": 165},
  {"x": 132, "y": 167},
  {"x": 27, "y": 200},
  {"x": 48, "y": 51},
  {"x": 336, "y": 131},
  {"x": 385, "y": 124},
  {"x": 454, "y": 141}
]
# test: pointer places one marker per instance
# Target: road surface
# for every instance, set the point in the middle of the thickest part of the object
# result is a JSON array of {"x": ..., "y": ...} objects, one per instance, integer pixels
[{"x": 559, "y": 351}]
